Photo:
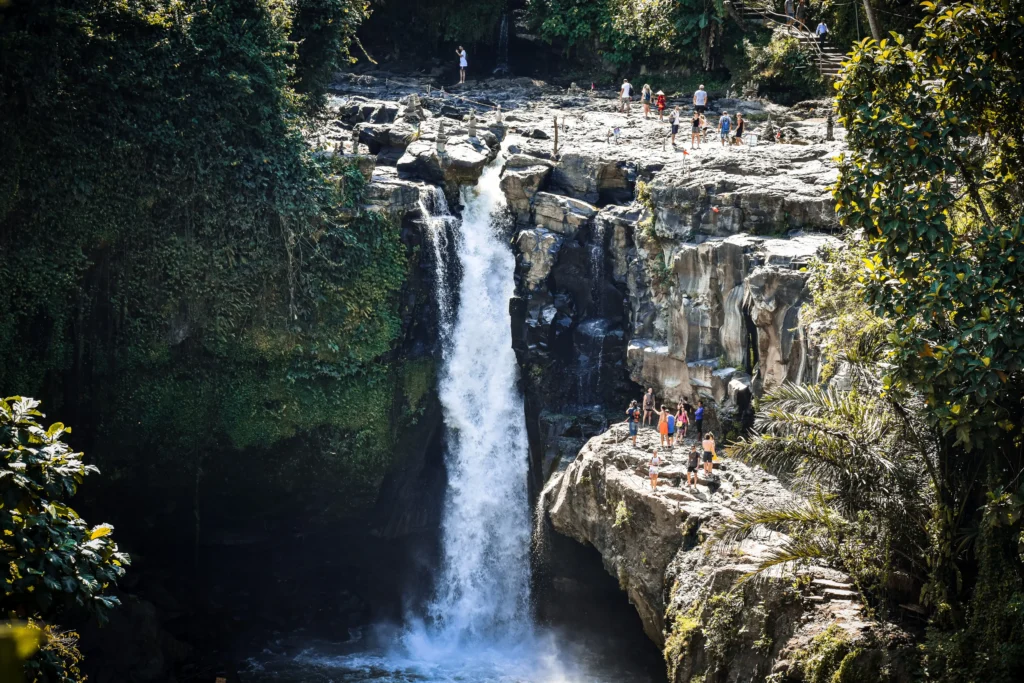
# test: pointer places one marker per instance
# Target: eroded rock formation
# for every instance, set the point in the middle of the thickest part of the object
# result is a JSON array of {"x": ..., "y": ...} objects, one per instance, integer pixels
[{"x": 684, "y": 587}]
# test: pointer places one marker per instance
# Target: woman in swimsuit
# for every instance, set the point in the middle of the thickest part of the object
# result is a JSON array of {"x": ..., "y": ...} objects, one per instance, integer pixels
[
  {"x": 663, "y": 424},
  {"x": 653, "y": 469},
  {"x": 709, "y": 452}
]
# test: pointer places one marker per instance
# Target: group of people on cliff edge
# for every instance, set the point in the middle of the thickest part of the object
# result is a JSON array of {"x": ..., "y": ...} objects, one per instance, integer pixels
[
  {"x": 672, "y": 427},
  {"x": 699, "y": 124}
]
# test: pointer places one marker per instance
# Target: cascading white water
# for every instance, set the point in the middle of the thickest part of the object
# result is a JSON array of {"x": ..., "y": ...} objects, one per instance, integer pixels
[
  {"x": 483, "y": 585},
  {"x": 438, "y": 219}
]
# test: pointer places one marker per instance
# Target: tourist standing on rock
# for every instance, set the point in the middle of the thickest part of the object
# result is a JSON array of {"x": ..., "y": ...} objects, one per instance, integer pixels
[
  {"x": 624, "y": 96},
  {"x": 740, "y": 123},
  {"x": 461, "y": 52},
  {"x": 652, "y": 469},
  {"x": 789, "y": 13},
  {"x": 691, "y": 466},
  {"x": 821, "y": 31},
  {"x": 645, "y": 99},
  {"x": 671, "y": 429},
  {"x": 698, "y": 418},
  {"x": 661, "y": 107},
  {"x": 633, "y": 420},
  {"x": 663, "y": 425},
  {"x": 700, "y": 99},
  {"x": 682, "y": 420},
  {"x": 709, "y": 453},
  {"x": 649, "y": 406},
  {"x": 695, "y": 131},
  {"x": 724, "y": 124},
  {"x": 673, "y": 120}
]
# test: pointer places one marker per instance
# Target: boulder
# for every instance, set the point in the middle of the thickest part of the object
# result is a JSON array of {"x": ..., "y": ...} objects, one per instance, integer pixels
[
  {"x": 538, "y": 252},
  {"x": 462, "y": 163},
  {"x": 563, "y": 215},
  {"x": 521, "y": 178}
]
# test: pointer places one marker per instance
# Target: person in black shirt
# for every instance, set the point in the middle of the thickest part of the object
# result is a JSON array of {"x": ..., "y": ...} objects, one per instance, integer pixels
[{"x": 633, "y": 420}]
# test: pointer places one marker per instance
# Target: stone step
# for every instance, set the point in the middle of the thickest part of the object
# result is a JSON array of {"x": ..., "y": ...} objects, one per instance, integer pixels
[
  {"x": 815, "y": 599},
  {"x": 827, "y": 583},
  {"x": 839, "y": 595}
]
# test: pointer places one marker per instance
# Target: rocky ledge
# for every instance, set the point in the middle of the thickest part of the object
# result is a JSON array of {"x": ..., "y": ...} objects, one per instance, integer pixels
[{"x": 685, "y": 589}]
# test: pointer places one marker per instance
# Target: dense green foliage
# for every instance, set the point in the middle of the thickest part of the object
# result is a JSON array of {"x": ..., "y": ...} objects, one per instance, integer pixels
[
  {"x": 470, "y": 23},
  {"x": 51, "y": 560},
  {"x": 625, "y": 32},
  {"x": 782, "y": 70},
  {"x": 936, "y": 359},
  {"x": 933, "y": 180},
  {"x": 181, "y": 270}
]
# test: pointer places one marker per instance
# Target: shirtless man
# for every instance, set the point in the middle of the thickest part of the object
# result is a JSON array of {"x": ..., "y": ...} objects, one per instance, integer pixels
[{"x": 649, "y": 406}]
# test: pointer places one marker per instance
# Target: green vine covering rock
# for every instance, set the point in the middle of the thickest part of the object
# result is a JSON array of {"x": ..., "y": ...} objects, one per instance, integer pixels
[{"x": 176, "y": 257}]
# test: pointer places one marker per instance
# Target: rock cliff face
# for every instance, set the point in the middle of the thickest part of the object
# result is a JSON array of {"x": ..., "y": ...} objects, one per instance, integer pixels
[{"x": 656, "y": 543}]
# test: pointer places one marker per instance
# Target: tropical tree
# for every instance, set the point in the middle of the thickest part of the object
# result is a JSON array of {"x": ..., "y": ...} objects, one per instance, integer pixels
[{"x": 51, "y": 560}]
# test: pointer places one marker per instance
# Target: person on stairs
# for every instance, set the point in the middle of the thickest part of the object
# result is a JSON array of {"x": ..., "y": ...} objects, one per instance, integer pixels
[
  {"x": 790, "y": 12},
  {"x": 801, "y": 15},
  {"x": 821, "y": 31},
  {"x": 633, "y": 420}
]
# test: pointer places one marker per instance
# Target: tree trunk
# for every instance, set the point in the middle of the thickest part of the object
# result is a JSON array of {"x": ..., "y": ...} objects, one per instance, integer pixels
[{"x": 876, "y": 32}]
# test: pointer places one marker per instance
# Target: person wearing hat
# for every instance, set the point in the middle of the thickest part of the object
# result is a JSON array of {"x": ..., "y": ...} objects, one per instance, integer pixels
[{"x": 661, "y": 105}]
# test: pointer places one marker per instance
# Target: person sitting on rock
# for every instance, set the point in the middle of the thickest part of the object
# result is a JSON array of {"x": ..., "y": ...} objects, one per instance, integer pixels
[
  {"x": 691, "y": 466},
  {"x": 633, "y": 420},
  {"x": 649, "y": 405},
  {"x": 653, "y": 469},
  {"x": 709, "y": 453},
  {"x": 663, "y": 424},
  {"x": 671, "y": 419}
]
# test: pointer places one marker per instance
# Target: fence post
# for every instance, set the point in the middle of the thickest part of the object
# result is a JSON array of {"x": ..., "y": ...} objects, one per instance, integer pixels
[{"x": 556, "y": 135}]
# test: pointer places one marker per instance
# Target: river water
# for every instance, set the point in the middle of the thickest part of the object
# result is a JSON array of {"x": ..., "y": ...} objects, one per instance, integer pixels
[{"x": 478, "y": 626}]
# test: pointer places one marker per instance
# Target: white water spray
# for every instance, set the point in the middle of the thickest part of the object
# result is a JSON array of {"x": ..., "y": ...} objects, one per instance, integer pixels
[{"x": 483, "y": 588}]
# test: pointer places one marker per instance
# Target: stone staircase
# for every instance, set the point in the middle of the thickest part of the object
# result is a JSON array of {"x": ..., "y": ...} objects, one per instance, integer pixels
[
  {"x": 828, "y": 58},
  {"x": 839, "y": 592}
]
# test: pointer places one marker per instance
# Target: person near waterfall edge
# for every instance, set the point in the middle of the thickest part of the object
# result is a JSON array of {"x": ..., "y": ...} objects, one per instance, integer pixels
[
  {"x": 633, "y": 420},
  {"x": 463, "y": 64}
]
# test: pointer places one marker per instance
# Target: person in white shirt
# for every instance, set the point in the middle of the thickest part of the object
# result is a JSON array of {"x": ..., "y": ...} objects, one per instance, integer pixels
[
  {"x": 821, "y": 31},
  {"x": 700, "y": 99},
  {"x": 461, "y": 52},
  {"x": 674, "y": 119},
  {"x": 624, "y": 95}
]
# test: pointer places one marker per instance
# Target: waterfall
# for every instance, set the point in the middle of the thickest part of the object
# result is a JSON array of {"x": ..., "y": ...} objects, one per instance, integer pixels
[
  {"x": 482, "y": 590},
  {"x": 503, "y": 67},
  {"x": 439, "y": 222}
]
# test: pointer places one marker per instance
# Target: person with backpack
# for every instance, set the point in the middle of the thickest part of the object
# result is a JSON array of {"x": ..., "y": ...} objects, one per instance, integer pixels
[
  {"x": 724, "y": 124},
  {"x": 698, "y": 418},
  {"x": 682, "y": 421},
  {"x": 633, "y": 420}
]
